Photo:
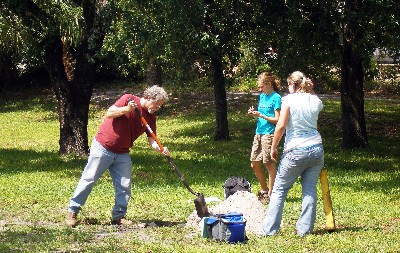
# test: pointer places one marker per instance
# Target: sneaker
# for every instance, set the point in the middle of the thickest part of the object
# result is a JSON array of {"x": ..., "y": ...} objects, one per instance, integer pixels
[
  {"x": 72, "y": 219},
  {"x": 263, "y": 197},
  {"x": 121, "y": 221}
]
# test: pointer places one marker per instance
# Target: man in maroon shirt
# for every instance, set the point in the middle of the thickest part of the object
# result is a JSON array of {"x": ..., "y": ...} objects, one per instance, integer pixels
[{"x": 110, "y": 150}]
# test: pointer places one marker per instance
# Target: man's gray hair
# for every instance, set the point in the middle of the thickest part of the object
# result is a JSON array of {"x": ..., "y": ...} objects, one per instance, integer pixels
[{"x": 155, "y": 93}]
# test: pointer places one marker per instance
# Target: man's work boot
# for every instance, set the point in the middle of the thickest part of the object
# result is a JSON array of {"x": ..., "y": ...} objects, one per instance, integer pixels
[
  {"x": 72, "y": 219},
  {"x": 121, "y": 221}
]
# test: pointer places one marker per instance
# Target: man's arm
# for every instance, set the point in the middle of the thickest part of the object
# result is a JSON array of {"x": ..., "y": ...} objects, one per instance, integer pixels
[{"x": 115, "y": 112}]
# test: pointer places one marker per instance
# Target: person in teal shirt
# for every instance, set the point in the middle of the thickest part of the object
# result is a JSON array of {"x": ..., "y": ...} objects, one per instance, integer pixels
[{"x": 267, "y": 115}]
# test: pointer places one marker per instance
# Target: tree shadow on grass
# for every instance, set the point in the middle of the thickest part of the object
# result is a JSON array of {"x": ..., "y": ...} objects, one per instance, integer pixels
[
  {"x": 23, "y": 103},
  {"x": 14, "y": 161}
]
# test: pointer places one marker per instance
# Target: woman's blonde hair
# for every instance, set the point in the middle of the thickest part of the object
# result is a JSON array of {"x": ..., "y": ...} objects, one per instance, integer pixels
[
  {"x": 266, "y": 78},
  {"x": 300, "y": 82}
]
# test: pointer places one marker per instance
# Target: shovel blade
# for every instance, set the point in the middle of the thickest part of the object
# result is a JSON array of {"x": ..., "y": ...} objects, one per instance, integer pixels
[{"x": 201, "y": 206}]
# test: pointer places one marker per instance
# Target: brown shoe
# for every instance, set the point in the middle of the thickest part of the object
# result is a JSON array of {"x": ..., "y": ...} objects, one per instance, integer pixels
[
  {"x": 121, "y": 221},
  {"x": 263, "y": 197},
  {"x": 72, "y": 219}
]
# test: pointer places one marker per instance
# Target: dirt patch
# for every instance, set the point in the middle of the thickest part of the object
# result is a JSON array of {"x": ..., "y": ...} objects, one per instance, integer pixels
[{"x": 242, "y": 202}]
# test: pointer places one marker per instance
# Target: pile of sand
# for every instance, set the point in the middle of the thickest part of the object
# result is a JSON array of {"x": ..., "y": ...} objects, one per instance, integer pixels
[{"x": 242, "y": 202}]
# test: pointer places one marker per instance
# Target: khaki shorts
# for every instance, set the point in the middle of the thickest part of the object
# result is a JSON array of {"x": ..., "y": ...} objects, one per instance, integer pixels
[{"x": 261, "y": 150}]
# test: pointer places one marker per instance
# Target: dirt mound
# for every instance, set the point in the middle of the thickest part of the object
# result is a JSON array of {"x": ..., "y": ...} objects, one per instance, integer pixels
[{"x": 242, "y": 202}]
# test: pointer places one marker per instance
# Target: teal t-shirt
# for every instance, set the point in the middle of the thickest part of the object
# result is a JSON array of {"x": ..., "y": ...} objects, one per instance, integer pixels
[{"x": 267, "y": 105}]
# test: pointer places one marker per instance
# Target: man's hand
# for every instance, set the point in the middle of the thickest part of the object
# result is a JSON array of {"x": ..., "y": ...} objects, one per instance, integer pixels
[
  {"x": 153, "y": 143},
  {"x": 131, "y": 105},
  {"x": 165, "y": 152}
]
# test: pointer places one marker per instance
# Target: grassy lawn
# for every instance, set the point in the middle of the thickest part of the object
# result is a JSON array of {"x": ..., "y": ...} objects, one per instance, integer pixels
[{"x": 36, "y": 183}]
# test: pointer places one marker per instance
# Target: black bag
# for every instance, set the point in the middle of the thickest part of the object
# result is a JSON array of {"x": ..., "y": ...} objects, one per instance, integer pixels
[
  {"x": 230, "y": 227},
  {"x": 234, "y": 184}
]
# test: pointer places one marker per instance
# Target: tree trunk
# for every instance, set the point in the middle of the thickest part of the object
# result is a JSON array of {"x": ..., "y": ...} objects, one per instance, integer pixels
[
  {"x": 8, "y": 71},
  {"x": 217, "y": 77},
  {"x": 221, "y": 108},
  {"x": 71, "y": 73},
  {"x": 154, "y": 73},
  {"x": 73, "y": 110},
  {"x": 73, "y": 98},
  {"x": 352, "y": 88}
]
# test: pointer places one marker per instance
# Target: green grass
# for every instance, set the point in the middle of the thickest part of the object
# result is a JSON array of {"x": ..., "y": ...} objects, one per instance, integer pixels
[{"x": 36, "y": 184}]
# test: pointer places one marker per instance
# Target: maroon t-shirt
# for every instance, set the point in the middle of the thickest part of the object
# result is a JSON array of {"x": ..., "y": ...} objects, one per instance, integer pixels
[{"x": 118, "y": 134}]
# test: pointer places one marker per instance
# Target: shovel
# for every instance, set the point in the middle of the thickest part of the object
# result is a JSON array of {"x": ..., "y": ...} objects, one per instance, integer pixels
[{"x": 199, "y": 201}]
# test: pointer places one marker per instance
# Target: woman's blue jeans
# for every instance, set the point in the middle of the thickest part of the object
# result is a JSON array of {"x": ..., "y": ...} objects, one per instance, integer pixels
[
  {"x": 120, "y": 167},
  {"x": 306, "y": 163}
]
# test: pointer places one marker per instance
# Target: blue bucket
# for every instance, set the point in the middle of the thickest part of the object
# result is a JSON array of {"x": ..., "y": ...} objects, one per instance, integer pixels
[
  {"x": 237, "y": 231},
  {"x": 229, "y": 227}
]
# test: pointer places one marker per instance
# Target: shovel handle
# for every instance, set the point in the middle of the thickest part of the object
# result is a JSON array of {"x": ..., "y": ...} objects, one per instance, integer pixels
[
  {"x": 144, "y": 122},
  {"x": 180, "y": 175}
]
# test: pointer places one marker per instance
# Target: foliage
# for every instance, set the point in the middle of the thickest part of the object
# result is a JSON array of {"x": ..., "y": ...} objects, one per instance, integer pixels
[
  {"x": 176, "y": 34},
  {"x": 26, "y": 38},
  {"x": 17, "y": 43},
  {"x": 173, "y": 32},
  {"x": 36, "y": 183},
  {"x": 153, "y": 30}
]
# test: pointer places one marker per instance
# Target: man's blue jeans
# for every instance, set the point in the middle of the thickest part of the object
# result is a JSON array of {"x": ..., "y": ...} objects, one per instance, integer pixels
[
  {"x": 120, "y": 167},
  {"x": 306, "y": 163}
]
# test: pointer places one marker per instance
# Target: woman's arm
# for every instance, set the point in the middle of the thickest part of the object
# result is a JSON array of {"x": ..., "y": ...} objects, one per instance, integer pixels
[
  {"x": 273, "y": 120},
  {"x": 279, "y": 130}
]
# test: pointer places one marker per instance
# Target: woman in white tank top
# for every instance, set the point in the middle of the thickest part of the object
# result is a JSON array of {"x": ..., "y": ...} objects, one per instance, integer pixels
[{"x": 303, "y": 154}]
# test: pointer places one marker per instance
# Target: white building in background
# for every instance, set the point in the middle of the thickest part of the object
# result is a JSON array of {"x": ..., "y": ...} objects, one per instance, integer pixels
[{"x": 382, "y": 58}]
